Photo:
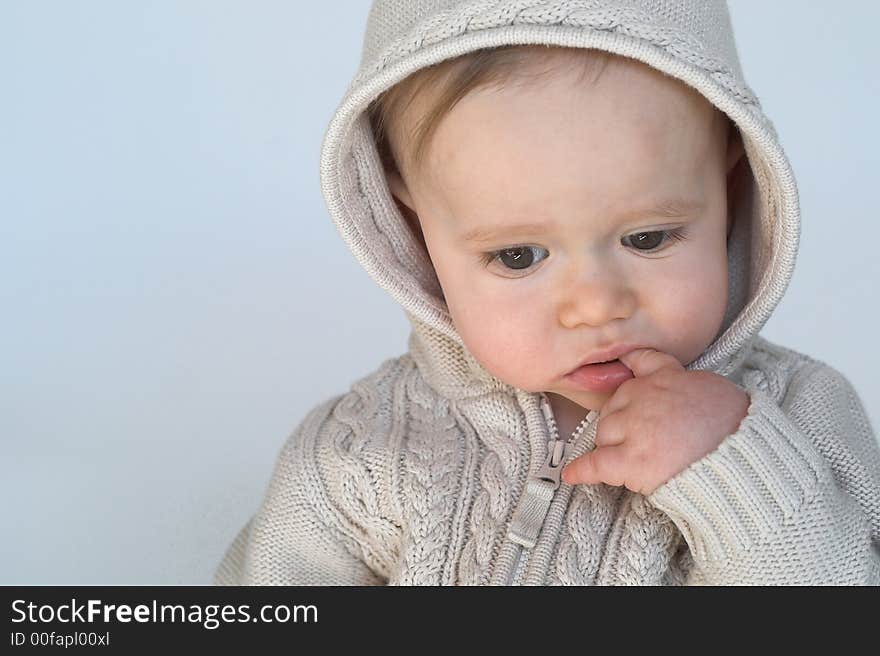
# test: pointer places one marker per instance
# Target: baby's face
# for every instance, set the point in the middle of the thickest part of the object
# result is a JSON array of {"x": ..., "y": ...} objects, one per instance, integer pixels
[{"x": 588, "y": 168}]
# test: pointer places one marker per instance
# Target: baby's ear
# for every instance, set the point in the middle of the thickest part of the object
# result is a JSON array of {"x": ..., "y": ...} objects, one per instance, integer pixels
[
  {"x": 737, "y": 164},
  {"x": 404, "y": 203},
  {"x": 737, "y": 173},
  {"x": 399, "y": 189},
  {"x": 735, "y": 148}
]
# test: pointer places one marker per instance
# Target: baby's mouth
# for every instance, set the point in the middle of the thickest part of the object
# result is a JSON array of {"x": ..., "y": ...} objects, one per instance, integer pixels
[{"x": 600, "y": 376}]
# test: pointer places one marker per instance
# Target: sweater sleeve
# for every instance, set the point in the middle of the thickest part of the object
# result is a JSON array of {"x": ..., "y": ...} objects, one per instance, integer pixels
[
  {"x": 791, "y": 498},
  {"x": 305, "y": 532}
]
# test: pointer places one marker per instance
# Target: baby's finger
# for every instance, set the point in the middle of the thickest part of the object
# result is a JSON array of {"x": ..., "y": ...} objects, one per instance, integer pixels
[
  {"x": 645, "y": 361},
  {"x": 610, "y": 430},
  {"x": 617, "y": 401},
  {"x": 604, "y": 465}
]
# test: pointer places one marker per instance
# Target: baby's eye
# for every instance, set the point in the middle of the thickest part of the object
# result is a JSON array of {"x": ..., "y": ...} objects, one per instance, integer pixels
[
  {"x": 515, "y": 258},
  {"x": 649, "y": 242},
  {"x": 522, "y": 258}
]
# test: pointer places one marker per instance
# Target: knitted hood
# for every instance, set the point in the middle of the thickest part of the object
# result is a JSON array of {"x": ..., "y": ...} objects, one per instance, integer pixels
[{"x": 691, "y": 40}]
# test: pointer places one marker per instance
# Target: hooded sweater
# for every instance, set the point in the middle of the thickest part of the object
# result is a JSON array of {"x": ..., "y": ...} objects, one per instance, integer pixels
[{"x": 432, "y": 471}]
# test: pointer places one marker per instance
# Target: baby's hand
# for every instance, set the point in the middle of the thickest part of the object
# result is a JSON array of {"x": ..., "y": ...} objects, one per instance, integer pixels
[{"x": 658, "y": 423}]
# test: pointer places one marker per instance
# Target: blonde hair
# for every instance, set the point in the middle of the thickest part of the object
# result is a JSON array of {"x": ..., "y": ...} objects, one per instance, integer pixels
[{"x": 452, "y": 79}]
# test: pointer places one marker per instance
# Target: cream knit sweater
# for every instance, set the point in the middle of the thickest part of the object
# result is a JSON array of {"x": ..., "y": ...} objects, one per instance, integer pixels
[{"x": 428, "y": 471}]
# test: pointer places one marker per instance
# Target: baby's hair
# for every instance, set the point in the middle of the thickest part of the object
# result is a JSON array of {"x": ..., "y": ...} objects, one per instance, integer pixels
[{"x": 451, "y": 80}]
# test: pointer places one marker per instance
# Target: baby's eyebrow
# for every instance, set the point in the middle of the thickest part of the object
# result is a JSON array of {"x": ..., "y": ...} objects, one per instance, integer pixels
[{"x": 672, "y": 208}]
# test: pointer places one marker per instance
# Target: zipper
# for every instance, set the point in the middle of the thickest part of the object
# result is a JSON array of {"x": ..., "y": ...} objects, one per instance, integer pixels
[
  {"x": 539, "y": 495},
  {"x": 514, "y": 571},
  {"x": 551, "y": 471},
  {"x": 558, "y": 449}
]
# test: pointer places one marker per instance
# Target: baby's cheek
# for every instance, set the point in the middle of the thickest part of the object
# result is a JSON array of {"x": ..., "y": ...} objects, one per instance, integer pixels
[
  {"x": 498, "y": 352},
  {"x": 715, "y": 293},
  {"x": 695, "y": 312},
  {"x": 506, "y": 353}
]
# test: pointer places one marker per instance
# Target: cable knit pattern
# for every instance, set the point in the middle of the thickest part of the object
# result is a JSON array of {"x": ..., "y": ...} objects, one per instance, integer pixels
[
  {"x": 301, "y": 533},
  {"x": 768, "y": 368},
  {"x": 352, "y": 467},
  {"x": 431, "y": 481},
  {"x": 627, "y": 20},
  {"x": 500, "y": 468},
  {"x": 640, "y": 545},
  {"x": 587, "y": 523},
  {"x": 680, "y": 565},
  {"x": 789, "y": 498},
  {"x": 426, "y": 471}
]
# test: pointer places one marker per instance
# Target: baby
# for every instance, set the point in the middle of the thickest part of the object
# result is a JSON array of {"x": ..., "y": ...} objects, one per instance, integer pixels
[
  {"x": 608, "y": 223},
  {"x": 587, "y": 218}
]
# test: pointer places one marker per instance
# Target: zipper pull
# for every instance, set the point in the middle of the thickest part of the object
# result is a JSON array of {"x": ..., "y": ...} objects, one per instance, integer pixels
[
  {"x": 528, "y": 518},
  {"x": 551, "y": 470}
]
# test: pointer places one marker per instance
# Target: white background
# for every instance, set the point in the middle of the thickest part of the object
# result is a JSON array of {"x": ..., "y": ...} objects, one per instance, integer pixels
[{"x": 175, "y": 297}]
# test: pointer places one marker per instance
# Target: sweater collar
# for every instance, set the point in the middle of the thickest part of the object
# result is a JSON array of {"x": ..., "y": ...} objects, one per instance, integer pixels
[{"x": 450, "y": 368}]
